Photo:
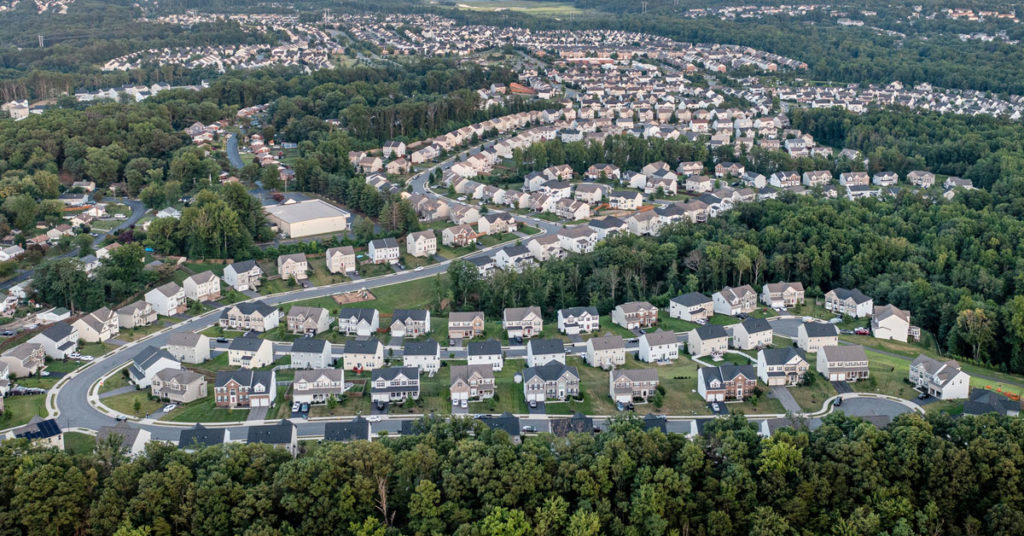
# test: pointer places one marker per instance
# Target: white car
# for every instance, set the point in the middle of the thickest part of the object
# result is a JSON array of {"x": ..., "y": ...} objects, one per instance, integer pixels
[
  {"x": 418, "y": 269},
  {"x": 169, "y": 407},
  {"x": 295, "y": 407},
  {"x": 86, "y": 357},
  {"x": 375, "y": 418},
  {"x": 809, "y": 319}
]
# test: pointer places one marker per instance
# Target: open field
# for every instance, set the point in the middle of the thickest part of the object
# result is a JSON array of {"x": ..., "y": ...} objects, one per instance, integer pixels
[
  {"x": 811, "y": 397},
  {"x": 18, "y": 410}
]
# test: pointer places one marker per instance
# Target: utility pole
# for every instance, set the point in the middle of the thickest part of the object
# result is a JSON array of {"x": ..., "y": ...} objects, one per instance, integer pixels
[
  {"x": 41, "y": 45},
  {"x": 644, "y": 7}
]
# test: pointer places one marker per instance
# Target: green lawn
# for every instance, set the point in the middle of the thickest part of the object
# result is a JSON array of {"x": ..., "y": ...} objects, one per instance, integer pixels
[
  {"x": 54, "y": 365},
  {"x": 140, "y": 332},
  {"x": 78, "y": 443},
  {"x": 18, "y": 410},
  {"x": 434, "y": 395},
  {"x": 952, "y": 407},
  {"x": 216, "y": 363},
  {"x": 282, "y": 407},
  {"x": 280, "y": 333},
  {"x": 125, "y": 403},
  {"x": 368, "y": 269},
  {"x": 727, "y": 359},
  {"x": 205, "y": 410},
  {"x": 118, "y": 380},
  {"x": 351, "y": 405},
  {"x": 275, "y": 286},
  {"x": 199, "y": 267},
  {"x": 528, "y": 230},
  {"x": 40, "y": 382},
  {"x": 608, "y": 327},
  {"x": 887, "y": 375},
  {"x": 322, "y": 277},
  {"x": 508, "y": 394},
  {"x": 217, "y": 331},
  {"x": 410, "y": 262},
  {"x": 492, "y": 240},
  {"x": 451, "y": 253},
  {"x": 95, "y": 349},
  {"x": 674, "y": 324},
  {"x": 811, "y": 397}
]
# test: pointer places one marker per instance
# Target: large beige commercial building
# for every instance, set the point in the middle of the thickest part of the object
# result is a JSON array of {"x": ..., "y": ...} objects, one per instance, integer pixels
[{"x": 308, "y": 218}]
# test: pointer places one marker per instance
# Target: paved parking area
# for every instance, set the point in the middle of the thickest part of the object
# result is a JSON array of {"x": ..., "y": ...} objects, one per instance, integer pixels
[{"x": 872, "y": 407}]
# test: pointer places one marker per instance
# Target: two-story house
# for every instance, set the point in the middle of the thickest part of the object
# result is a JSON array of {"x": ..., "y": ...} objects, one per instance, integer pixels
[
  {"x": 167, "y": 299},
  {"x": 522, "y": 321},
  {"x": 853, "y": 303},
  {"x": 180, "y": 386},
  {"x": 735, "y": 300},
  {"x": 710, "y": 339},
  {"x": 576, "y": 320},
  {"x": 781, "y": 366},
  {"x": 425, "y": 356},
  {"x": 250, "y": 352},
  {"x": 628, "y": 385},
  {"x": 367, "y": 354},
  {"x": 752, "y": 333},
  {"x": 890, "y": 322},
  {"x": 410, "y": 322},
  {"x": 395, "y": 384},
  {"x": 384, "y": 250},
  {"x": 361, "y": 322},
  {"x": 308, "y": 353},
  {"x": 842, "y": 363},
  {"x": 659, "y": 346},
  {"x": 23, "y": 360},
  {"x": 292, "y": 266},
  {"x": 244, "y": 388},
  {"x": 635, "y": 315},
  {"x": 98, "y": 326},
  {"x": 810, "y": 336},
  {"x": 727, "y": 382},
  {"x": 136, "y": 315},
  {"x": 147, "y": 363},
  {"x": 307, "y": 320},
  {"x": 944, "y": 380},
  {"x": 254, "y": 316},
  {"x": 59, "y": 340},
  {"x": 202, "y": 287},
  {"x": 542, "y": 351},
  {"x": 318, "y": 385},
  {"x": 465, "y": 325},
  {"x": 606, "y": 351},
  {"x": 485, "y": 353},
  {"x": 243, "y": 276},
  {"x": 782, "y": 295},
  {"x": 553, "y": 381},
  {"x": 421, "y": 243},
  {"x": 692, "y": 307},
  {"x": 341, "y": 260},
  {"x": 189, "y": 347}
]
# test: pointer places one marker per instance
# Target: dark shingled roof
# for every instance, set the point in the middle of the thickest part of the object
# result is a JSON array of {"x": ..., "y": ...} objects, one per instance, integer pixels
[
  {"x": 201, "y": 436},
  {"x": 506, "y": 421},
  {"x": 273, "y": 434},
  {"x": 355, "y": 430}
]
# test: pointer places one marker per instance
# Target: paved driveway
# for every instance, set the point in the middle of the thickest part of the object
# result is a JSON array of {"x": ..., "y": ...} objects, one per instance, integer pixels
[
  {"x": 539, "y": 410},
  {"x": 258, "y": 414},
  {"x": 842, "y": 387},
  {"x": 872, "y": 407},
  {"x": 782, "y": 394}
]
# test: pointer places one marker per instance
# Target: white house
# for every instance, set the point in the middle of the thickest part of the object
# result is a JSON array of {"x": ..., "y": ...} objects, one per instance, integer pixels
[
  {"x": 576, "y": 320},
  {"x": 384, "y": 250},
  {"x": 658, "y": 347},
  {"x": 147, "y": 363},
  {"x": 424, "y": 355},
  {"x": 943, "y": 380},
  {"x": 168, "y": 299}
]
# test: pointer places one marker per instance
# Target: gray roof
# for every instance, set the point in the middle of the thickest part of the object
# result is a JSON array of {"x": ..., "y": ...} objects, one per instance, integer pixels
[
  {"x": 692, "y": 299},
  {"x": 246, "y": 344},
  {"x": 184, "y": 338},
  {"x": 358, "y": 314},
  {"x": 428, "y": 347},
  {"x": 636, "y": 375},
  {"x": 506, "y": 422},
  {"x": 727, "y": 373},
  {"x": 820, "y": 329},
  {"x": 201, "y": 436},
  {"x": 660, "y": 337},
  {"x": 245, "y": 377},
  {"x": 549, "y": 372},
  {"x": 368, "y": 346},
  {"x": 488, "y": 347},
  {"x": 243, "y": 266},
  {"x": 606, "y": 342},
  {"x": 126, "y": 432},
  {"x": 390, "y": 373},
  {"x": 609, "y": 222},
  {"x": 354, "y": 430},
  {"x": 309, "y": 345},
  {"x": 856, "y": 295},
  {"x": 711, "y": 331},
  {"x": 273, "y": 434},
  {"x": 515, "y": 251},
  {"x": 577, "y": 311},
  {"x": 547, "y": 346},
  {"x": 781, "y": 356},
  {"x": 248, "y": 308},
  {"x": 841, "y": 354},
  {"x": 147, "y": 358},
  {"x": 404, "y": 315},
  {"x": 57, "y": 331},
  {"x": 756, "y": 325},
  {"x": 982, "y": 401},
  {"x": 382, "y": 243}
]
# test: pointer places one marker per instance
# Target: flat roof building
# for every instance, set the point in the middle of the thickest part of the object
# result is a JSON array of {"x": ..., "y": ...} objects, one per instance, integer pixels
[{"x": 308, "y": 218}]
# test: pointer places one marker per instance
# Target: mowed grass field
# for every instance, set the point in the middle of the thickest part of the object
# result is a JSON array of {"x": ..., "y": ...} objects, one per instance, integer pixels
[{"x": 523, "y": 6}]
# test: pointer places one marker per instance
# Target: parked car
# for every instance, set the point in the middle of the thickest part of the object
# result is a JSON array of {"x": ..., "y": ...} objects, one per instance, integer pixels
[
  {"x": 375, "y": 418},
  {"x": 44, "y": 373},
  {"x": 304, "y": 408},
  {"x": 7, "y": 333},
  {"x": 418, "y": 269},
  {"x": 838, "y": 402},
  {"x": 922, "y": 396},
  {"x": 169, "y": 407},
  {"x": 222, "y": 339},
  {"x": 715, "y": 407},
  {"x": 464, "y": 405},
  {"x": 122, "y": 418},
  {"x": 86, "y": 357},
  {"x": 846, "y": 331},
  {"x": 862, "y": 331},
  {"x": 835, "y": 320},
  {"x": 808, "y": 319},
  {"x": 529, "y": 429},
  {"x": 295, "y": 407},
  {"x": 533, "y": 403}
]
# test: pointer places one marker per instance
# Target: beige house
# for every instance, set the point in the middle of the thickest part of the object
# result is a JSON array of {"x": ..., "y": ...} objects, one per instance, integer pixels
[
  {"x": 363, "y": 354},
  {"x": 634, "y": 315},
  {"x": 458, "y": 236},
  {"x": 136, "y": 315},
  {"x": 250, "y": 352},
  {"x": 421, "y": 244},
  {"x": 180, "y": 386},
  {"x": 781, "y": 366},
  {"x": 752, "y": 333},
  {"x": 843, "y": 363},
  {"x": 811, "y": 336},
  {"x": 781, "y": 295},
  {"x": 341, "y": 260},
  {"x": 711, "y": 339},
  {"x": 189, "y": 347},
  {"x": 245, "y": 316},
  {"x": 292, "y": 266},
  {"x": 465, "y": 325},
  {"x": 301, "y": 319},
  {"x": 316, "y": 386},
  {"x": 890, "y": 322},
  {"x": 606, "y": 352},
  {"x": 471, "y": 382},
  {"x": 244, "y": 275},
  {"x": 98, "y": 326},
  {"x": 201, "y": 287},
  {"x": 853, "y": 303},
  {"x": 24, "y": 359},
  {"x": 735, "y": 300},
  {"x": 522, "y": 321}
]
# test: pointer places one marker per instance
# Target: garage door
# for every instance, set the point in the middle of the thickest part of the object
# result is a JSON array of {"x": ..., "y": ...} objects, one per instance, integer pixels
[
  {"x": 836, "y": 377},
  {"x": 261, "y": 402}
]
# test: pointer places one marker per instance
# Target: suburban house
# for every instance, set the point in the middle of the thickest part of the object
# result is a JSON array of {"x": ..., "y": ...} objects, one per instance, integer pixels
[
  {"x": 421, "y": 243},
  {"x": 292, "y": 266},
  {"x": 244, "y": 388},
  {"x": 854, "y": 178},
  {"x": 923, "y": 179},
  {"x": 465, "y": 325},
  {"x": 384, "y": 250},
  {"x": 189, "y": 346},
  {"x": 180, "y": 386},
  {"x": 634, "y": 315},
  {"x": 542, "y": 351},
  {"x": 810, "y": 336},
  {"x": 628, "y": 385},
  {"x": 644, "y": 223},
  {"x": 43, "y": 433},
  {"x": 782, "y": 295},
  {"x": 363, "y": 354},
  {"x": 752, "y": 333},
  {"x": 691, "y": 307},
  {"x": 283, "y": 435},
  {"x": 395, "y": 384},
  {"x": 136, "y": 315},
  {"x": 97, "y": 326},
  {"x": 361, "y": 322},
  {"x": 25, "y": 359},
  {"x": 710, "y": 339},
  {"x": 843, "y": 363},
  {"x": 577, "y": 239},
  {"x": 522, "y": 321},
  {"x": 545, "y": 247},
  {"x": 471, "y": 382},
  {"x": 410, "y": 322},
  {"x": 727, "y": 382},
  {"x": 168, "y": 299},
  {"x": 781, "y": 366},
  {"x": 147, "y": 363},
  {"x": 848, "y": 302},
  {"x": 202, "y": 287},
  {"x": 458, "y": 236},
  {"x": 424, "y": 355},
  {"x": 576, "y": 320},
  {"x": 514, "y": 258},
  {"x": 606, "y": 351},
  {"x": 250, "y": 352},
  {"x": 246, "y": 316},
  {"x": 553, "y": 381},
  {"x": 890, "y": 322},
  {"x": 625, "y": 200},
  {"x": 310, "y": 353},
  {"x": 943, "y": 380},
  {"x": 485, "y": 353},
  {"x": 983, "y": 401},
  {"x": 735, "y": 300},
  {"x": 243, "y": 276},
  {"x": 496, "y": 223},
  {"x": 341, "y": 260},
  {"x": 307, "y": 320},
  {"x": 659, "y": 346},
  {"x": 358, "y": 429},
  {"x": 131, "y": 438},
  {"x": 199, "y": 437},
  {"x": 317, "y": 385},
  {"x": 698, "y": 184},
  {"x": 59, "y": 340}
]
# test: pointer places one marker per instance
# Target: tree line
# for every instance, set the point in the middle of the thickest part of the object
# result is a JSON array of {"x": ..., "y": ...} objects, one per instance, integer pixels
[{"x": 919, "y": 476}]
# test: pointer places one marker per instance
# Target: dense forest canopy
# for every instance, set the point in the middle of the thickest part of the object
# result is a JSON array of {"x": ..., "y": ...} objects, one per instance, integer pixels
[{"x": 847, "y": 478}]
